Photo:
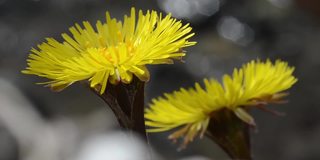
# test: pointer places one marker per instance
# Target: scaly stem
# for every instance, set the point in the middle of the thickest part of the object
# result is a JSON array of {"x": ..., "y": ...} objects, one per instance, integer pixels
[
  {"x": 127, "y": 103},
  {"x": 231, "y": 134}
]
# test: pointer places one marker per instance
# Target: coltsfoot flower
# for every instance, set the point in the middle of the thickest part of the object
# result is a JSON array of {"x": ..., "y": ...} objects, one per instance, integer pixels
[
  {"x": 254, "y": 85},
  {"x": 110, "y": 52}
]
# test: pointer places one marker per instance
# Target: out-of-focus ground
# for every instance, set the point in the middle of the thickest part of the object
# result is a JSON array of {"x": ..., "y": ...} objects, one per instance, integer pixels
[{"x": 36, "y": 123}]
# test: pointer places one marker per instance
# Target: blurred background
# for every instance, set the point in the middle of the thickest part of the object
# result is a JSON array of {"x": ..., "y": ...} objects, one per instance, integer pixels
[{"x": 37, "y": 124}]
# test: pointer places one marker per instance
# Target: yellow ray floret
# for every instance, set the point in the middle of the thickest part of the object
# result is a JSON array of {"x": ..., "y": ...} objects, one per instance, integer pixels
[
  {"x": 110, "y": 52},
  {"x": 253, "y": 84},
  {"x": 190, "y": 108}
]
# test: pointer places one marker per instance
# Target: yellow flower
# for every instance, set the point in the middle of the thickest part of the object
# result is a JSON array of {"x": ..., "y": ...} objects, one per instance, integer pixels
[
  {"x": 189, "y": 108},
  {"x": 254, "y": 84},
  {"x": 112, "y": 51}
]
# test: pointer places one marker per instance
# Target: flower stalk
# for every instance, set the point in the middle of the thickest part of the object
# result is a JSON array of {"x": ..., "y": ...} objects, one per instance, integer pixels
[
  {"x": 231, "y": 134},
  {"x": 127, "y": 103}
]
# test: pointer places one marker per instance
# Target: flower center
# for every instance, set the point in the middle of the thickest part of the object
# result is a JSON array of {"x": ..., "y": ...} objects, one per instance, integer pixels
[{"x": 118, "y": 54}]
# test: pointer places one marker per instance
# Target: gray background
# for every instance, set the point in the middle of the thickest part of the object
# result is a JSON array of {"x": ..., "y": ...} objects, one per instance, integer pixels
[{"x": 229, "y": 33}]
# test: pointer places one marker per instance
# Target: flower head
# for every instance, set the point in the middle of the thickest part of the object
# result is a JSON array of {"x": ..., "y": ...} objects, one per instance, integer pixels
[
  {"x": 110, "y": 52},
  {"x": 254, "y": 84}
]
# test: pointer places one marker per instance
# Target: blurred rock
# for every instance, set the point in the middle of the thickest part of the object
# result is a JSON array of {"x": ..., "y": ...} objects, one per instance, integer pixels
[{"x": 115, "y": 146}]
